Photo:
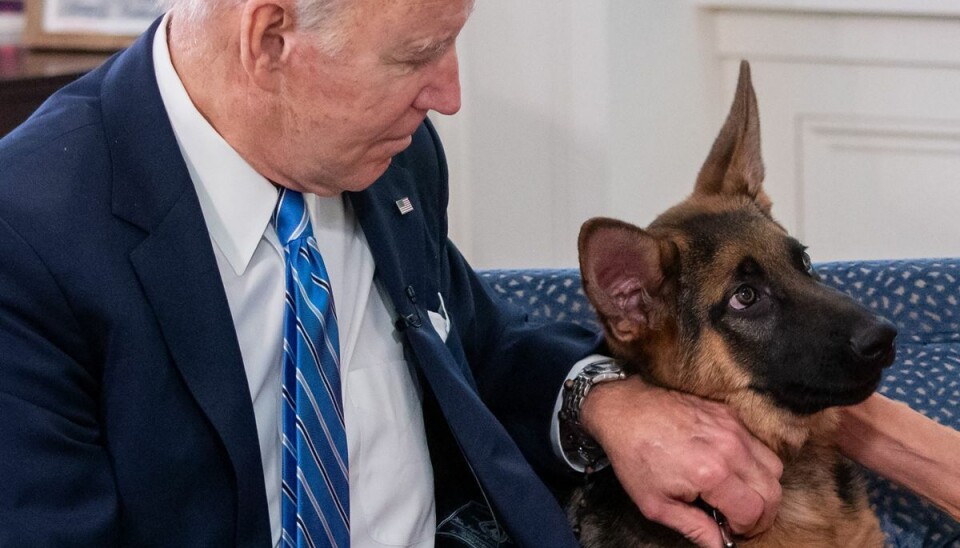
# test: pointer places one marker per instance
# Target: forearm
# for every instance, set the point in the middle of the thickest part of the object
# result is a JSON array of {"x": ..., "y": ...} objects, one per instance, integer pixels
[{"x": 906, "y": 447}]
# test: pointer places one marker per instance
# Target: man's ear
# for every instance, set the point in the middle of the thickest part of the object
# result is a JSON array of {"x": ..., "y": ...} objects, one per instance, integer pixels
[
  {"x": 735, "y": 165},
  {"x": 266, "y": 28},
  {"x": 623, "y": 271}
]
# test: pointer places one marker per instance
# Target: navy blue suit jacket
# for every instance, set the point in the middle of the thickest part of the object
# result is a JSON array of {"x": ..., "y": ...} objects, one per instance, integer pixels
[{"x": 125, "y": 416}]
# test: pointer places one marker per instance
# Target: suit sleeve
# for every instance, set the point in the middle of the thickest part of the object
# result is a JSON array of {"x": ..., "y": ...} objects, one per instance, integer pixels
[
  {"x": 519, "y": 365},
  {"x": 57, "y": 487}
]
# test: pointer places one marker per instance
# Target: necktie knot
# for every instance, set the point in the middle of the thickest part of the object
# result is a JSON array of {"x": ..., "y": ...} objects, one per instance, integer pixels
[{"x": 290, "y": 217}]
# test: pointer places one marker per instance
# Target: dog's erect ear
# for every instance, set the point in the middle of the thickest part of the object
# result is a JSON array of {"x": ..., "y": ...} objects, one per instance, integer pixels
[
  {"x": 735, "y": 165},
  {"x": 622, "y": 268}
]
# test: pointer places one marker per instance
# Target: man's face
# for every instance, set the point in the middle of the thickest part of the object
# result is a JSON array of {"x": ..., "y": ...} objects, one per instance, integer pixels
[{"x": 347, "y": 113}]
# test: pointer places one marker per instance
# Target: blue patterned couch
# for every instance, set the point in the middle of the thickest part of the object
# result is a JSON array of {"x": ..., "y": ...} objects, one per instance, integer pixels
[{"x": 921, "y": 296}]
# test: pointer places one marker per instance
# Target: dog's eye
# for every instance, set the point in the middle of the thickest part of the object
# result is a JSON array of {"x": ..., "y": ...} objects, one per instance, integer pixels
[
  {"x": 743, "y": 298},
  {"x": 807, "y": 263}
]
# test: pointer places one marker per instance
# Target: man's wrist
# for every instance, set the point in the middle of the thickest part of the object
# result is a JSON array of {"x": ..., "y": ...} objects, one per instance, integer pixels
[{"x": 575, "y": 441}]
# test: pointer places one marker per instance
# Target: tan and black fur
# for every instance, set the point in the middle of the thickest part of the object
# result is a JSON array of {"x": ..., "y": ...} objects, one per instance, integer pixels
[{"x": 716, "y": 299}]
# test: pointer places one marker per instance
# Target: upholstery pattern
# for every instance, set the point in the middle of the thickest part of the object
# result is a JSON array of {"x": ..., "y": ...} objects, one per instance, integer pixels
[{"x": 922, "y": 297}]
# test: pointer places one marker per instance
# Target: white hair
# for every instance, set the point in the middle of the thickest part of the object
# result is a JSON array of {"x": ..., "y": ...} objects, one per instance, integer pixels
[
  {"x": 195, "y": 11},
  {"x": 311, "y": 14}
]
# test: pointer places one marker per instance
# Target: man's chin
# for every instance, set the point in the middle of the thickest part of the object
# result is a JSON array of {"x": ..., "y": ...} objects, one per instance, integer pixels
[
  {"x": 355, "y": 180},
  {"x": 364, "y": 180},
  {"x": 361, "y": 180}
]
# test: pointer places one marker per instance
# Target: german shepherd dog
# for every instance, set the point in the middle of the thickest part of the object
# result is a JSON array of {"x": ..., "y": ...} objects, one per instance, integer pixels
[{"x": 715, "y": 299}]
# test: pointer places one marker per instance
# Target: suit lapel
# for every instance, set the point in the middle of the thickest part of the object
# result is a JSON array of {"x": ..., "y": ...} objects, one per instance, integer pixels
[
  {"x": 177, "y": 268},
  {"x": 404, "y": 254},
  {"x": 407, "y": 257}
]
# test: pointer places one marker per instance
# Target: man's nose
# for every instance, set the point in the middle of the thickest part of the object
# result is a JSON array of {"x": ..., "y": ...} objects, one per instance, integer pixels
[{"x": 442, "y": 93}]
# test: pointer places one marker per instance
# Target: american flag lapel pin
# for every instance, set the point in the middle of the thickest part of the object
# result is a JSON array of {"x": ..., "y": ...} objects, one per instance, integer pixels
[{"x": 404, "y": 205}]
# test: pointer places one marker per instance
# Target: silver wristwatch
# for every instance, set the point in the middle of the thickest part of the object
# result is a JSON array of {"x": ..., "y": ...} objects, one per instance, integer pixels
[{"x": 576, "y": 444}]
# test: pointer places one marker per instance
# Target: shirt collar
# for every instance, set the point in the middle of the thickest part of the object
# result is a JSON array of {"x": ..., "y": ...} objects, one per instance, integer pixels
[{"x": 237, "y": 202}]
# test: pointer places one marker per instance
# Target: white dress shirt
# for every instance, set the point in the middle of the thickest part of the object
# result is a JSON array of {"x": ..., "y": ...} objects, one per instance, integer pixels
[{"x": 391, "y": 480}]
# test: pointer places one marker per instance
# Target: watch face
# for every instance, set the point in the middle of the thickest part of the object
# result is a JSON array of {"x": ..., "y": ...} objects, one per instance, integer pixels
[{"x": 602, "y": 371}]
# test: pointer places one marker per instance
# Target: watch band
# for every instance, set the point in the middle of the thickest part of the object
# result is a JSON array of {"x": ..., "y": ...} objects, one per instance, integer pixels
[{"x": 577, "y": 445}]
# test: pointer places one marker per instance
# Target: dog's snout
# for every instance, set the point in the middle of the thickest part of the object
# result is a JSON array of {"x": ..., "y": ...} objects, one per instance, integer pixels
[{"x": 873, "y": 342}]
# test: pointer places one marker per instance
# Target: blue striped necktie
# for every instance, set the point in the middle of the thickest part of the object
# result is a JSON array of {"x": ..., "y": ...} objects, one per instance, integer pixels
[{"x": 315, "y": 506}]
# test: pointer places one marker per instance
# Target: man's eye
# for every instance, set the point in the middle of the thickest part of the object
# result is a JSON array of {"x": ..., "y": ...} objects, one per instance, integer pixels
[{"x": 744, "y": 298}]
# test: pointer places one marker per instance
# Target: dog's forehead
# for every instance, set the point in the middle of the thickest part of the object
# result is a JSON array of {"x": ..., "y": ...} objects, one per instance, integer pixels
[
  {"x": 716, "y": 247},
  {"x": 736, "y": 232}
]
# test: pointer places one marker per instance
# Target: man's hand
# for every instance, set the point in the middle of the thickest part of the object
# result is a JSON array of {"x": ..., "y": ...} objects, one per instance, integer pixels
[{"x": 668, "y": 448}]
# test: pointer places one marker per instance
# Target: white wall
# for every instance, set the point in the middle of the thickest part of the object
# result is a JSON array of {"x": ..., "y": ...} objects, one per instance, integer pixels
[
  {"x": 575, "y": 108},
  {"x": 529, "y": 150}
]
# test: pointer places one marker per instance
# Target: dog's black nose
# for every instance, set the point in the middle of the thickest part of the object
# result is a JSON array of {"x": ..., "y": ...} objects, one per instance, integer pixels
[{"x": 872, "y": 342}]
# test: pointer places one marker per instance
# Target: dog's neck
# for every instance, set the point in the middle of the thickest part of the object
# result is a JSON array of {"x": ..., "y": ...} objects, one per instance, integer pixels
[{"x": 783, "y": 432}]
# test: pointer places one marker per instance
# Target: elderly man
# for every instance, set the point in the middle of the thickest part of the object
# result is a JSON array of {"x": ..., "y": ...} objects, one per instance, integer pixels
[{"x": 230, "y": 315}]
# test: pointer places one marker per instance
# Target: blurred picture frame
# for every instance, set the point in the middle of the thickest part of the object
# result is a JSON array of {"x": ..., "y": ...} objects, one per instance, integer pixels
[
  {"x": 86, "y": 25},
  {"x": 11, "y": 24}
]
